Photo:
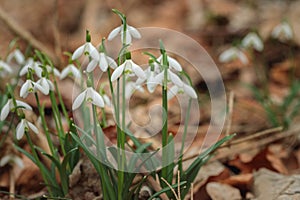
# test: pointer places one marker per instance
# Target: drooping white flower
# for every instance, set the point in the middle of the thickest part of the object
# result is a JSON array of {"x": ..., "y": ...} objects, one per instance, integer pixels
[
  {"x": 106, "y": 100},
  {"x": 150, "y": 80},
  {"x": 11, "y": 159},
  {"x": 52, "y": 70},
  {"x": 172, "y": 77},
  {"x": 131, "y": 32},
  {"x": 252, "y": 40},
  {"x": 71, "y": 69},
  {"x": 46, "y": 84},
  {"x": 187, "y": 89},
  {"x": 10, "y": 106},
  {"x": 90, "y": 95},
  {"x": 86, "y": 48},
  {"x": 34, "y": 66},
  {"x": 233, "y": 53},
  {"x": 103, "y": 62},
  {"x": 173, "y": 64},
  {"x": 131, "y": 87},
  {"x": 5, "y": 68},
  {"x": 129, "y": 67},
  {"x": 283, "y": 32},
  {"x": 23, "y": 126},
  {"x": 17, "y": 55},
  {"x": 30, "y": 86}
]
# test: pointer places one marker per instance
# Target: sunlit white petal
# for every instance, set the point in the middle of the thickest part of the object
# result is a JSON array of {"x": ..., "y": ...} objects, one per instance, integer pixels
[
  {"x": 172, "y": 92},
  {"x": 111, "y": 62},
  {"x": 114, "y": 33},
  {"x": 175, "y": 79},
  {"x": 118, "y": 72},
  {"x": 78, "y": 52},
  {"x": 92, "y": 65},
  {"x": 5, "y": 110},
  {"x": 78, "y": 101},
  {"x": 189, "y": 91},
  {"x": 20, "y": 129},
  {"x": 134, "y": 32},
  {"x": 33, "y": 127},
  {"x": 174, "y": 64},
  {"x": 138, "y": 70}
]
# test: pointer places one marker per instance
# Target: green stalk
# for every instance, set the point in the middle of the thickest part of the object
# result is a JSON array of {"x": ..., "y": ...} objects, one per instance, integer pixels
[
  {"x": 44, "y": 124},
  {"x": 187, "y": 119}
]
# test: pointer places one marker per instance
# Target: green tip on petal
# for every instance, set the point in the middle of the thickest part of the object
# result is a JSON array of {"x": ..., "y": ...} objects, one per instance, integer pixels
[{"x": 88, "y": 36}]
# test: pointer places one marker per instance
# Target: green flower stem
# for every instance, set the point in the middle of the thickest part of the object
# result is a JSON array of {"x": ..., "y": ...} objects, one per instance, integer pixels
[
  {"x": 58, "y": 121},
  {"x": 45, "y": 127},
  {"x": 62, "y": 104},
  {"x": 38, "y": 162},
  {"x": 187, "y": 119}
]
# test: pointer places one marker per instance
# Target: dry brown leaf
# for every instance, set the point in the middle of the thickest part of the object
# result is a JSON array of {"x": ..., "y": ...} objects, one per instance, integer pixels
[{"x": 220, "y": 191}]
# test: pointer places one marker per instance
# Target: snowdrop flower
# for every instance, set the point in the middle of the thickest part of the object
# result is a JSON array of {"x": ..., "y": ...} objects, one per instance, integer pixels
[
  {"x": 172, "y": 77},
  {"x": 11, "y": 159},
  {"x": 131, "y": 87},
  {"x": 52, "y": 70},
  {"x": 184, "y": 89},
  {"x": 87, "y": 48},
  {"x": 104, "y": 61},
  {"x": 150, "y": 80},
  {"x": 106, "y": 100},
  {"x": 233, "y": 53},
  {"x": 17, "y": 55},
  {"x": 70, "y": 70},
  {"x": 5, "y": 68},
  {"x": 131, "y": 32},
  {"x": 23, "y": 126},
  {"x": 283, "y": 32},
  {"x": 129, "y": 67},
  {"x": 46, "y": 84},
  {"x": 10, "y": 106},
  {"x": 29, "y": 86},
  {"x": 90, "y": 95},
  {"x": 173, "y": 64},
  {"x": 33, "y": 65},
  {"x": 252, "y": 40}
]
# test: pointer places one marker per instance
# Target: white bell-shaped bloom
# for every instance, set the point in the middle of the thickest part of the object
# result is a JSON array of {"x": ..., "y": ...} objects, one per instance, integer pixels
[
  {"x": 52, "y": 70},
  {"x": 33, "y": 65},
  {"x": 187, "y": 89},
  {"x": 233, "y": 53},
  {"x": 23, "y": 126},
  {"x": 283, "y": 32},
  {"x": 5, "y": 68},
  {"x": 131, "y": 87},
  {"x": 29, "y": 86},
  {"x": 17, "y": 55},
  {"x": 173, "y": 64},
  {"x": 11, "y": 159},
  {"x": 90, "y": 95},
  {"x": 131, "y": 32},
  {"x": 10, "y": 106},
  {"x": 46, "y": 84},
  {"x": 150, "y": 80},
  {"x": 86, "y": 48},
  {"x": 172, "y": 77},
  {"x": 129, "y": 67},
  {"x": 103, "y": 62},
  {"x": 71, "y": 70},
  {"x": 252, "y": 40}
]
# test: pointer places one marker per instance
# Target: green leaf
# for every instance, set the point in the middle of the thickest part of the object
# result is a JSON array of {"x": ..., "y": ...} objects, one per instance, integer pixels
[{"x": 167, "y": 189}]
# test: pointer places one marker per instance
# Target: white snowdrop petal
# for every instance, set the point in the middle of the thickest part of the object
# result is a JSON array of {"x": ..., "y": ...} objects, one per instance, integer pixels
[
  {"x": 138, "y": 71},
  {"x": 118, "y": 72},
  {"x": 5, "y": 110},
  {"x": 134, "y": 32},
  {"x": 78, "y": 52},
  {"x": 114, "y": 33},
  {"x": 103, "y": 62},
  {"x": 151, "y": 83},
  {"x": 19, "y": 56},
  {"x": 51, "y": 85},
  {"x": 33, "y": 127},
  {"x": 97, "y": 99},
  {"x": 227, "y": 55},
  {"x": 42, "y": 86},
  {"x": 93, "y": 51},
  {"x": 189, "y": 91},
  {"x": 5, "y": 66},
  {"x": 175, "y": 79},
  {"x": 159, "y": 78},
  {"x": 111, "y": 62},
  {"x": 106, "y": 100},
  {"x": 76, "y": 73},
  {"x": 5, "y": 160},
  {"x": 78, "y": 101},
  {"x": 174, "y": 64},
  {"x": 23, "y": 104},
  {"x": 20, "y": 129},
  {"x": 129, "y": 89},
  {"x": 243, "y": 58},
  {"x": 24, "y": 70},
  {"x": 18, "y": 161},
  {"x": 64, "y": 73},
  {"x": 91, "y": 66},
  {"x": 24, "y": 89},
  {"x": 128, "y": 37},
  {"x": 172, "y": 92}
]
